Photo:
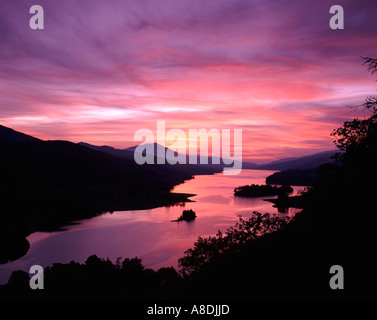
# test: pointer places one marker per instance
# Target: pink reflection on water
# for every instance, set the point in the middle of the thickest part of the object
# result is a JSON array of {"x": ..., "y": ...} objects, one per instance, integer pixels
[{"x": 149, "y": 234}]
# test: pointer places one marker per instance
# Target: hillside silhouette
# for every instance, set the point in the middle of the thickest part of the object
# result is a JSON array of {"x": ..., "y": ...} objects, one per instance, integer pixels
[
  {"x": 8, "y": 135},
  {"x": 295, "y": 177},
  {"x": 185, "y": 169},
  {"x": 46, "y": 184}
]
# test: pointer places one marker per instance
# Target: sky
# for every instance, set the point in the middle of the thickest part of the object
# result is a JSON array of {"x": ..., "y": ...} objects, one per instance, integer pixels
[{"x": 101, "y": 70}]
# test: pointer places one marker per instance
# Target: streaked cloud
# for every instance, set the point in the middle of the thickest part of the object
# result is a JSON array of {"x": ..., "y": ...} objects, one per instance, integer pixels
[{"x": 103, "y": 69}]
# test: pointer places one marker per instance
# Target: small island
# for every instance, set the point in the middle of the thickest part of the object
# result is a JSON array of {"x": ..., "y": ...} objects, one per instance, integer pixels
[
  {"x": 256, "y": 190},
  {"x": 187, "y": 215},
  {"x": 285, "y": 202}
]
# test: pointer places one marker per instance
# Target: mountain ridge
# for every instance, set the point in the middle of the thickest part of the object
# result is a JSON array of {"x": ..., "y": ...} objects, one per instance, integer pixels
[
  {"x": 8, "y": 135},
  {"x": 303, "y": 162}
]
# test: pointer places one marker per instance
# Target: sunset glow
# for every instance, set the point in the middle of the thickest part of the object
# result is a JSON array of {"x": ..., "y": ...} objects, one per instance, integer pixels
[{"x": 101, "y": 70}]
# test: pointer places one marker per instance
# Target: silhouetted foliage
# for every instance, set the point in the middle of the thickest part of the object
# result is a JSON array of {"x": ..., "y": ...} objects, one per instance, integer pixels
[
  {"x": 256, "y": 190},
  {"x": 18, "y": 280},
  {"x": 371, "y": 63},
  {"x": 207, "y": 249},
  {"x": 359, "y": 135},
  {"x": 96, "y": 279},
  {"x": 187, "y": 215}
]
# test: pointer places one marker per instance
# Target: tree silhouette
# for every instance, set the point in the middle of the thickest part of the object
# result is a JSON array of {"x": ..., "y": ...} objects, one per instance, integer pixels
[
  {"x": 359, "y": 135},
  {"x": 206, "y": 250}
]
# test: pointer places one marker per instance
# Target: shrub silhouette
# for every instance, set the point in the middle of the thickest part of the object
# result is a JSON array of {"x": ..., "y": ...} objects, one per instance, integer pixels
[
  {"x": 96, "y": 279},
  {"x": 256, "y": 190},
  {"x": 208, "y": 249},
  {"x": 187, "y": 215}
]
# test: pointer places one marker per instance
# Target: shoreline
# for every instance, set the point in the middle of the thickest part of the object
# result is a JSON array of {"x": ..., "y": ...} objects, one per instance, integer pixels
[{"x": 15, "y": 236}]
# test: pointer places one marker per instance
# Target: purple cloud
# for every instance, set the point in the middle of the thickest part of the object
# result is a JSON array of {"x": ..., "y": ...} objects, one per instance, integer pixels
[{"x": 102, "y": 69}]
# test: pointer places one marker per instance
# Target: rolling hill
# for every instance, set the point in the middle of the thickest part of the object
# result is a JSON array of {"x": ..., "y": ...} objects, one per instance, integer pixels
[
  {"x": 46, "y": 184},
  {"x": 8, "y": 135},
  {"x": 190, "y": 169},
  {"x": 304, "y": 162}
]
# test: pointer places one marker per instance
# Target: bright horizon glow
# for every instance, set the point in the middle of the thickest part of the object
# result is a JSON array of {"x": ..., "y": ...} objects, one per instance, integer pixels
[{"x": 100, "y": 71}]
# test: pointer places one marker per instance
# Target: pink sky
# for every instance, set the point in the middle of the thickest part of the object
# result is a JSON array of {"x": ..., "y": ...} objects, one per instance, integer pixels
[{"x": 101, "y": 70}]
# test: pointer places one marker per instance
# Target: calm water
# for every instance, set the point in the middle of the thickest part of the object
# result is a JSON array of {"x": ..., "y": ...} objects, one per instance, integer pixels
[{"x": 149, "y": 234}]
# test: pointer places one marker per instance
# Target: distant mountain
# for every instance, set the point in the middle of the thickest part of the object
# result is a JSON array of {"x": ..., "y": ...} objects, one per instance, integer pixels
[
  {"x": 302, "y": 171},
  {"x": 304, "y": 162},
  {"x": 249, "y": 165},
  {"x": 192, "y": 169},
  {"x": 9, "y": 135},
  {"x": 218, "y": 165},
  {"x": 155, "y": 147},
  {"x": 122, "y": 153},
  {"x": 295, "y": 177}
]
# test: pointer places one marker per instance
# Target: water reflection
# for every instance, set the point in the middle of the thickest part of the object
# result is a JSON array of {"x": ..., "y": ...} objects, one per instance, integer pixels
[{"x": 150, "y": 234}]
